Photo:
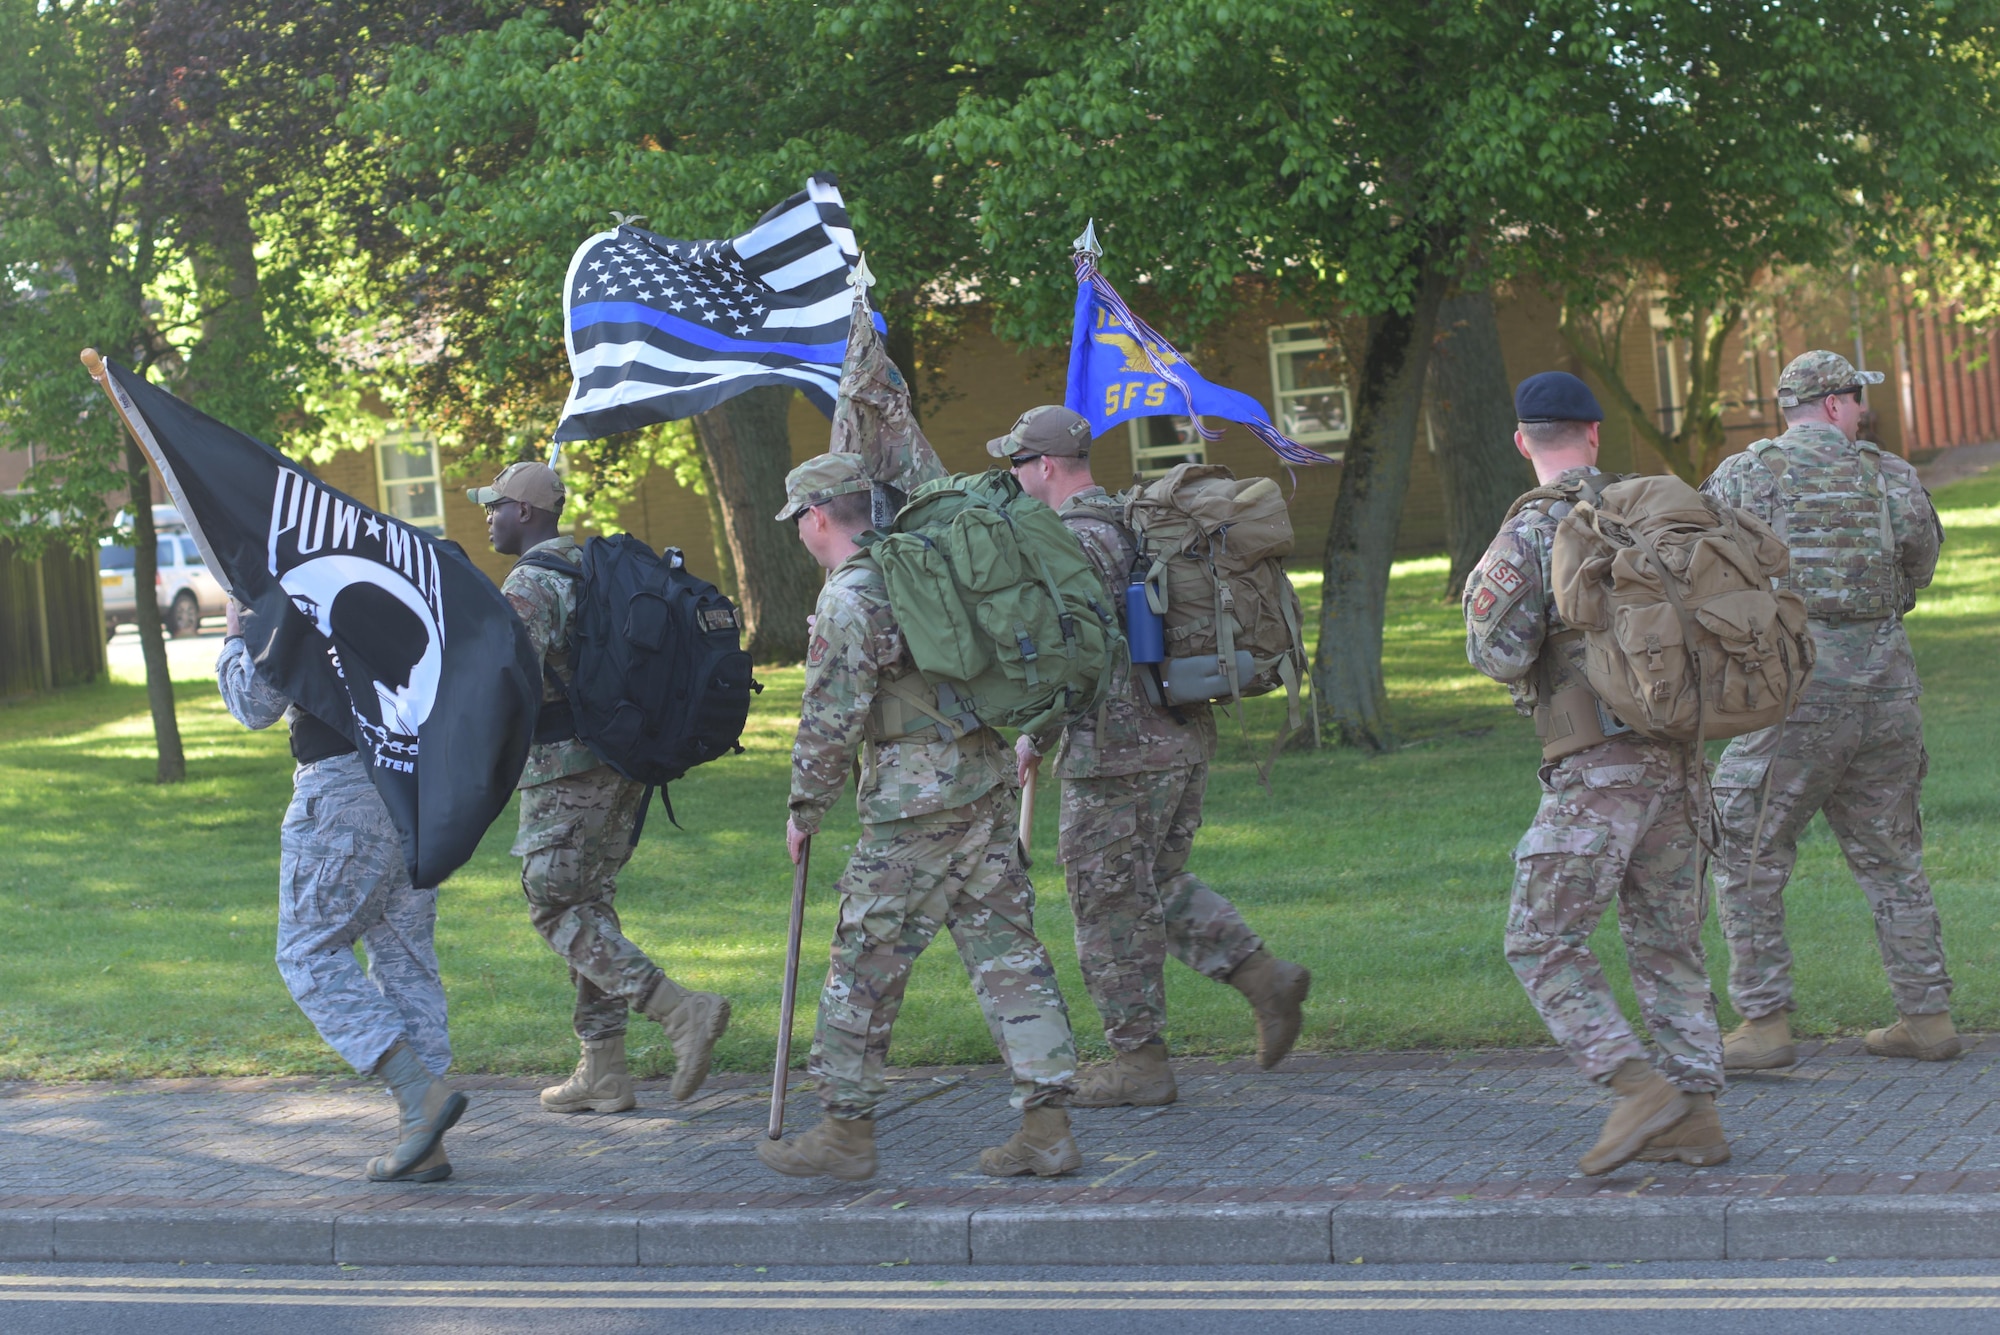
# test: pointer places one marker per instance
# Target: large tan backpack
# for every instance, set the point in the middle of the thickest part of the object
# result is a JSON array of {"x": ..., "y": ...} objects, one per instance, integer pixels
[
  {"x": 1211, "y": 548},
  {"x": 1686, "y": 638}
]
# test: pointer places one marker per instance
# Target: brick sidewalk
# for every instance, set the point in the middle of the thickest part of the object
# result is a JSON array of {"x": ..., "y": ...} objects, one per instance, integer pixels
[{"x": 1490, "y": 1126}]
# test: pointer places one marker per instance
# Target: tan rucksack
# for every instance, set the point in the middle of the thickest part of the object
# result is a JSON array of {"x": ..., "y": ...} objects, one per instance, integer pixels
[
  {"x": 1671, "y": 588},
  {"x": 1212, "y": 549}
]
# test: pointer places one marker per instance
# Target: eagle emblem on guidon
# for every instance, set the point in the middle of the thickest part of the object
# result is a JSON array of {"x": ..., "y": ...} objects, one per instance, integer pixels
[
  {"x": 1135, "y": 353},
  {"x": 371, "y": 587}
]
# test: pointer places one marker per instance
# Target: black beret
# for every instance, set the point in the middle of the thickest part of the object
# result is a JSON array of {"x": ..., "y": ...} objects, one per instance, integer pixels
[{"x": 1555, "y": 396}]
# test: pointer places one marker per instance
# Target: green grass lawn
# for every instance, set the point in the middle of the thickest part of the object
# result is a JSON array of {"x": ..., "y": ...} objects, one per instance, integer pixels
[{"x": 137, "y": 922}]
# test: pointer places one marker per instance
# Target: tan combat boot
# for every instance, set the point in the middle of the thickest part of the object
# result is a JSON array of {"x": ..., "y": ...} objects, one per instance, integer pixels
[
  {"x": 1276, "y": 990},
  {"x": 600, "y": 1083},
  {"x": 1647, "y": 1105},
  {"x": 693, "y": 1021},
  {"x": 1762, "y": 1044},
  {"x": 1696, "y": 1139},
  {"x": 1928, "y": 1038},
  {"x": 1140, "y": 1079},
  {"x": 835, "y": 1148},
  {"x": 1043, "y": 1146}
]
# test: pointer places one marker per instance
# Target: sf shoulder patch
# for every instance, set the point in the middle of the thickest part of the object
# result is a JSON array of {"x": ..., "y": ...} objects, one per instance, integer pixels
[
  {"x": 1506, "y": 577},
  {"x": 1496, "y": 586}
]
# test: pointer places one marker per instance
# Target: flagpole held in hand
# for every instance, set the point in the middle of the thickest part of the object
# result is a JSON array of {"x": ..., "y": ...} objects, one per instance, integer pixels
[
  {"x": 791, "y": 992},
  {"x": 1026, "y": 831}
]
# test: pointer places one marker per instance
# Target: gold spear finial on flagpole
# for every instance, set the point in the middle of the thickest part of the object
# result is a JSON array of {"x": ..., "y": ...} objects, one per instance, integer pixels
[{"x": 1087, "y": 243}]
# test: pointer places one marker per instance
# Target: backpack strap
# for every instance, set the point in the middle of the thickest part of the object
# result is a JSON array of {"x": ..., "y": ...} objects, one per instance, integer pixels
[
  {"x": 1587, "y": 488},
  {"x": 556, "y": 722}
]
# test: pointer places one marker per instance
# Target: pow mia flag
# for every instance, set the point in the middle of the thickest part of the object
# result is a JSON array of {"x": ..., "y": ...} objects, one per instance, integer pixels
[{"x": 393, "y": 638}]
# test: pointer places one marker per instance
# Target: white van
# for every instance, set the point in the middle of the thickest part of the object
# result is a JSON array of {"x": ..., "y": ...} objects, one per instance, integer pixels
[{"x": 184, "y": 590}]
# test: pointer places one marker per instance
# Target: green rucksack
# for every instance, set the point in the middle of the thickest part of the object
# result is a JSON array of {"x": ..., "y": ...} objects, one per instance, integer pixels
[{"x": 1002, "y": 612}]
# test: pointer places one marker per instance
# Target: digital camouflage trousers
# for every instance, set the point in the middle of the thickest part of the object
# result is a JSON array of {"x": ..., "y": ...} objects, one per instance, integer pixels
[
  {"x": 1124, "y": 846},
  {"x": 1613, "y": 824},
  {"x": 958, "y": 870},
  {"x": 341, "y": 879},
  {"x": 576, "y": 834},
  {"x": 1862, "y": 762}
]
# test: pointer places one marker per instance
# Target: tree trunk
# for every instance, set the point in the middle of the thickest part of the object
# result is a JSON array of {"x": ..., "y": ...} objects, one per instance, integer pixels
[
  {"x": 146, "y": 614},
  {"x": 749, "y": 451},
  {"x": 228, "y": 370},
  {"x": 1472, "y": 419},
  {"x": 1374, "y": 475},
  {"x": 718, "y": 531}
]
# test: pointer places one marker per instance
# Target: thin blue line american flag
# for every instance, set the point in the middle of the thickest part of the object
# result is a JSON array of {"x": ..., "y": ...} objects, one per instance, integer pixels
[{"x": 660, "y": 329}]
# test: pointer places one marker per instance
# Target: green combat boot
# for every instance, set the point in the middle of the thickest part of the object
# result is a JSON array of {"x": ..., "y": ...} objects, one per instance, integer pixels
[
  {"x": 835, "y": 1148},
  {"x": 1696, "y": 1139},
  {"x": 1140, "y": 1079},
  {"x": 693, "y": 1021},
  {"x": 430, "y": 1108},
  {"x": 1928, "y": 1038},
  {"x": 1762, "y": 1044},
  {"x": 1043, "y": 1146},
  {"x": 601, "y": 1082},
  {"x": 1647, "y": 1105},
  {"x": 1276, "y": 990}
]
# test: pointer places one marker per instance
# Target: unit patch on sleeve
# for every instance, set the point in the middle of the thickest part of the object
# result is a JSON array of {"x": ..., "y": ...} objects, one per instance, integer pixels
[
  {"x": 817, "y": 653},
  {"x": 1506, "y": 577},
  {"x": 1482, "y": 604}
]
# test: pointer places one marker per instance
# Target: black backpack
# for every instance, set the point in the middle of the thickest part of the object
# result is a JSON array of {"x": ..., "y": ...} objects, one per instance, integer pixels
[{"x": 659, "y": 682}]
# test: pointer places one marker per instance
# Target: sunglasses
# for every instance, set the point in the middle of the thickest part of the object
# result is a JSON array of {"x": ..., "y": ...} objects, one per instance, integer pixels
[{"x": 1022, "y": 460}]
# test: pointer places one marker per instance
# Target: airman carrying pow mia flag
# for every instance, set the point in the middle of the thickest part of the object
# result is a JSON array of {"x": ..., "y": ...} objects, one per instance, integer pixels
[{"x": 374, "y": 627}]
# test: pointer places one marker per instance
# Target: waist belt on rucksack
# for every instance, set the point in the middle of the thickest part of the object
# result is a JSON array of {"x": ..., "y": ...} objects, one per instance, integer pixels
[
  {"x": 314, "y": 741},
  {"x": 1572, "y": 719}
]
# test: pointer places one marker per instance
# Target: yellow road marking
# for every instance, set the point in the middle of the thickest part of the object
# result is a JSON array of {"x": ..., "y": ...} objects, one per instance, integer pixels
[
  {"x": 1735, "y": 1284},
  {"x": 955, "y": 1303}
]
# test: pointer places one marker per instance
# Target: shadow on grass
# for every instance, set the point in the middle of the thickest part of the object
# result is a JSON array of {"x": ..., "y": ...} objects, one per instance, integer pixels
[{"x": 138, "y": 921}]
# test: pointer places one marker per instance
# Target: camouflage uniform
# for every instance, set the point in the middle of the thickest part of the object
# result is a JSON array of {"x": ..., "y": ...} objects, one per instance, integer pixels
[
  {"x": 937, "y": 849},
  {"x": 341, "y": 879},
  {"x": 577, "y": 818},
  {"x": 1854, "y": 747},
  {"x": 1614, "y": 822},
  {"x": 1133, "y": 781}
]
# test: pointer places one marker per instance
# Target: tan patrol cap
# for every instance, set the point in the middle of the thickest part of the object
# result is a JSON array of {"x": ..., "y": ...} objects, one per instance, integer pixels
[
  {"x": 531, "y": 484},
  {"x": 1814, "y": 375},
  {"x": 820, "y": 479},
  {"x": 1049, "y": 429}
]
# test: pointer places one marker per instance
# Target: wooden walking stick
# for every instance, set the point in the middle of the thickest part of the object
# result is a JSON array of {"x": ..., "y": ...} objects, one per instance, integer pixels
[
  {"x": 1026, "y": 832},
  {"x": 791, "y": 996}
]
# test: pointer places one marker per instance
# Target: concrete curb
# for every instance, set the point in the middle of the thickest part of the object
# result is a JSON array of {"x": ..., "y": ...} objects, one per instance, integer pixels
[{"x": 1851, "y": 1227}]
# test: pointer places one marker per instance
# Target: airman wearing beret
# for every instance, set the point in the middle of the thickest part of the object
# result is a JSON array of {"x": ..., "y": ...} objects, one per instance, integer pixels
[{"x": 1614, "y": 823}]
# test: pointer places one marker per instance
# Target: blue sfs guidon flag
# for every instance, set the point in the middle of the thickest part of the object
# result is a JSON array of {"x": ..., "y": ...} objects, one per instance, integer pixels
[
  {"x": 660, "y": 330},
  {"x": 388, "y": 635},
  {"x": 1120, "y": 368}
]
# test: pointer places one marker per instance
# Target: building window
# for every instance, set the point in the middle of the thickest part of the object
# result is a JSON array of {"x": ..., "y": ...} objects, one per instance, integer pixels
[
  {"x": 1160, "y": 443},
  {"x": 1311, "y": 401},
  {"x": 406, "y": 467}
]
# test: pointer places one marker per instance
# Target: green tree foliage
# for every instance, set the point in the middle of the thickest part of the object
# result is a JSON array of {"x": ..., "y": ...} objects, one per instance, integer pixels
[
  {"x": 157, "y": 172},
  {"x": 508, "y": 146},
  {"x": 1361, "y": 159},
  {"x": 1739, "y": 140},
  {"x": 1353, "y": 159}
]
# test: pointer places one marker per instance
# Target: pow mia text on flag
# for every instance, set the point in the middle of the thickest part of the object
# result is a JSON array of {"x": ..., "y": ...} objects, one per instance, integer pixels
[
  {"x": 660, "y": 329},
  {"x": 389, "y": 636}
]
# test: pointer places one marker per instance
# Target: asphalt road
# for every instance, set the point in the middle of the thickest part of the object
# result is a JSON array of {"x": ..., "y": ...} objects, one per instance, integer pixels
[{"x": 1721, "y": 1298}]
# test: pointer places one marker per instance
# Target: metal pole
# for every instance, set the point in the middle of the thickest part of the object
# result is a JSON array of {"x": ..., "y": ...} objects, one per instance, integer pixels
[
  {"x": 1026, "y": 831},
  {"x": 791, "y": 994}
]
